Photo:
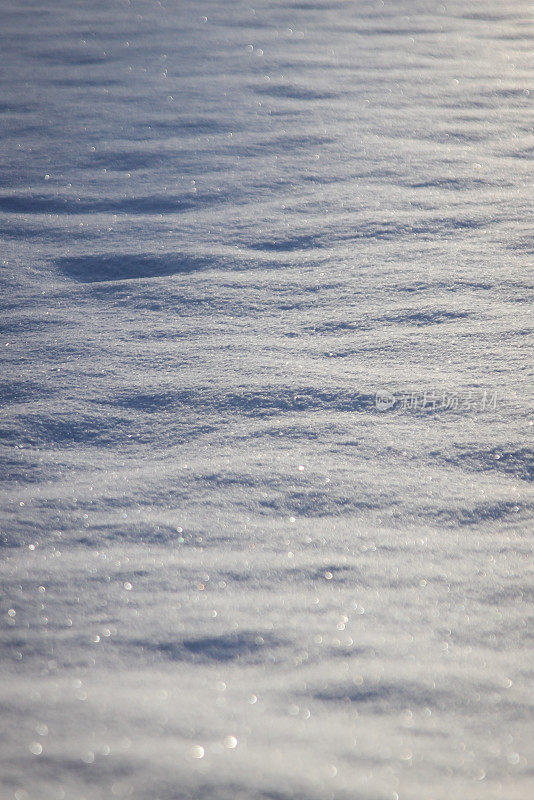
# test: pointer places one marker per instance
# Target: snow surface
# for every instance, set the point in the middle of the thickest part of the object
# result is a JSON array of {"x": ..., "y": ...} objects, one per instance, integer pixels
[{"x": 227, "y": 573}]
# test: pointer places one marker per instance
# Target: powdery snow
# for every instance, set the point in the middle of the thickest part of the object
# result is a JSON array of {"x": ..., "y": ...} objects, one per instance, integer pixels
[{"x": 266, "y": 400}]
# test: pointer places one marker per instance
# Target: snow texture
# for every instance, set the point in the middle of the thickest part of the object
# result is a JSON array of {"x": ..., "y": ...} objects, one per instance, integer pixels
[{"x": 266, "y": 400}]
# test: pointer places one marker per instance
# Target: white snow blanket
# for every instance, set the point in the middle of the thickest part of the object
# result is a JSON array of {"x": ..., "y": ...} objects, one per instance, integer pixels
[{"x": 266, "y": 431}]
